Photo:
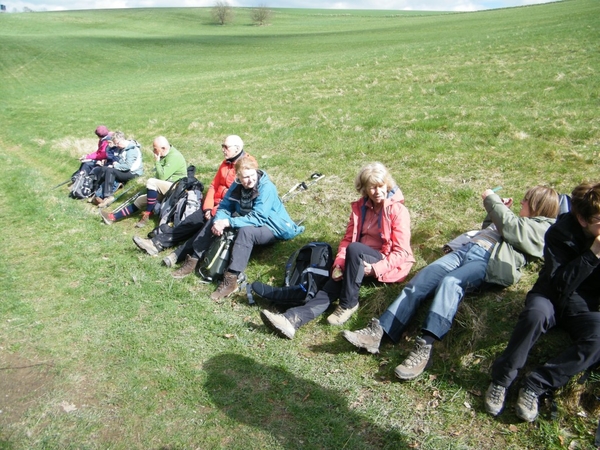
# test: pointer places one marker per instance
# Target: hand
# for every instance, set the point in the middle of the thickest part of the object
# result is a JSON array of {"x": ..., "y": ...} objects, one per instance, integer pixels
[
  {"x": 81, "y": 158},
  {"x": 486, "y": 193},
  {"x": 596, "y": 246},
  {"x": 157, "y": 156},
  {"x": 219, "y": 226},
  {"x": 207, "y": 214},
  {"x": 336, "y": 273},
  {"x": 369, "y": 272},
  {"x": 508, "y": 202}
]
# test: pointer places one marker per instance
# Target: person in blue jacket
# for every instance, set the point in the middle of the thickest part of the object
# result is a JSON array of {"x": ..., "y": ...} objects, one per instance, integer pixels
[{"x": 252, "y": 207}]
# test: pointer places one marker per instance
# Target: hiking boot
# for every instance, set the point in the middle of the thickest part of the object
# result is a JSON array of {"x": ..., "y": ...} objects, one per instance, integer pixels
[
  {"x": 278, "y": 323},
  {"x": 107, "y": 201},
  {"x": 187, "y": 268},
  {"x": 94, "y": 200},
  {"x": 147, "y": 245},
  {"x": 108, "y": 217},
  {"x": 527, "y": 405},
  {"x": 416, "y": 361},
  {"x": 170, "y": 260},
  {"x": 494, "y": 399},
  {"x": 144, "y": 220},
  {"x": 341, "y": 315},
  {"x": 368, "y": 338},
  {"x": 227, "y": 286}
]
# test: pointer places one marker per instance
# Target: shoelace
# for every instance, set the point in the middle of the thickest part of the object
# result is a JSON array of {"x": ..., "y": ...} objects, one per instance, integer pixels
[
  {"x": 369, "y": 331},
  {"x": 416, "y": 356},
  {"x": 496, "y": 393},
  {"x": 338, "y": 311},
  {"x": 529, "y": 397}
]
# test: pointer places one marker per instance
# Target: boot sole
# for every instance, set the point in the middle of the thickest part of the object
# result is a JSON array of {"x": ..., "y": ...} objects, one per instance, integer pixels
[{"x": 273, "y": 328}]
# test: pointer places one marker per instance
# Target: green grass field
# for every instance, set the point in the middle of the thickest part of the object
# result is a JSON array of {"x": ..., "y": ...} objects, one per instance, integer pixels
[{"x": 101, "y": 348}]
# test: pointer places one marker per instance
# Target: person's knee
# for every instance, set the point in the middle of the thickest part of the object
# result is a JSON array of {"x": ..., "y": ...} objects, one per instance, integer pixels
[
  {"x": 449, "y": 282},
  {"x": 534, "y": 317},
  {"x": 353, "y": 250},
  {"x": 151, "y": 184}
]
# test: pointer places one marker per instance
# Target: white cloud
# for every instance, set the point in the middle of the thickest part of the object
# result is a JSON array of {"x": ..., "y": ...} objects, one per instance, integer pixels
[{"x": 400, "y": 5}]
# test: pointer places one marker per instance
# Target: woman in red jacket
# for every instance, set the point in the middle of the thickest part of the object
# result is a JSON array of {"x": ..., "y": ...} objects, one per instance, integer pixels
[{"x": 376, "y": 245}]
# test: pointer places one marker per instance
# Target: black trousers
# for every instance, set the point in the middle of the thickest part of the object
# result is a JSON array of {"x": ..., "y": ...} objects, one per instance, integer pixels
[
  {"x": 246, "y": 239},
  {"x": 107, "y": 176},
  {"x": 537, "y": 318},
  {"x": 347, "y": 289}
]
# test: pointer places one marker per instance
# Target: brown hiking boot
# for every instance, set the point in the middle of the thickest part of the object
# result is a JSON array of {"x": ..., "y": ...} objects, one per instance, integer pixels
[
  {"x": 226, "y": 287},
  {"x": 144, "y": 220},
  {"x": 188, "y": 267},
  {"x": 106, "y": 202},
  {"x": 147, "y": 245},
  {"x": 368, "y": 338},
  {"x": 416, "y": 362}
]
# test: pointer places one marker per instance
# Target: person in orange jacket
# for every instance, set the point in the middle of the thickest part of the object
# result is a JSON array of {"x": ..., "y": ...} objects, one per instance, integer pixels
[{"x": 233, "y": 150}]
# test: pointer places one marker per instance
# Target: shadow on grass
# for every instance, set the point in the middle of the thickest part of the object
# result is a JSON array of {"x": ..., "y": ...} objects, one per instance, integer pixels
[{"x": 297, "y": 412}]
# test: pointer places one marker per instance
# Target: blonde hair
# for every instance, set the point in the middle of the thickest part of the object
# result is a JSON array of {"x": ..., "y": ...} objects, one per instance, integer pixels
[
  {"x": 374, "y": 174},
  {"x": 543, "y": 201},
  {"x": 585, "y": 201},
  {"x": 246, "y": 162}
]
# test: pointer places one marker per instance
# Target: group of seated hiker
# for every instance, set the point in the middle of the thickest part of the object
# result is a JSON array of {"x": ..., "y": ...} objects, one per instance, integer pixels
[
  {"x": 233, "y": 149},
  {"x": 116, "y": 161},
  {"x": 124, "y": 165},
  {"x": 242, "y": 199},
  {"x": 254, "y": 210},
  {"x": 169, "y": 166},
  {"x": 567, "y": 293}
]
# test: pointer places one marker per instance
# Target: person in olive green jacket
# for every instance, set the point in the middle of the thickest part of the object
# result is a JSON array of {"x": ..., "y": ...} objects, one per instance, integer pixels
[
  {"x": 495, "y": 254},
  {"x": 169, "y": 166}
]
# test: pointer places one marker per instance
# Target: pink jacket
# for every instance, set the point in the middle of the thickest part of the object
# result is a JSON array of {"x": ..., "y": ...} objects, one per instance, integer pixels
[
  {"x": 101, "y": 152},
  {"x": 395, "y": 233}
]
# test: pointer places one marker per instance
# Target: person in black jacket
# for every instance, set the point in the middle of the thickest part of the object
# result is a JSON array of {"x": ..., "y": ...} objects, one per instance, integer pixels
[{"x": 567, "y": 294}]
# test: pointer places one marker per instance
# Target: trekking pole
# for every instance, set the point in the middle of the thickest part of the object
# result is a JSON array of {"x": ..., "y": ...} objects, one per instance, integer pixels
[
  {"x": 62, "y": 184},
  {"x": 127, "y": 202},
  {"x": 304, "y": 185},
  {"x": 123, "y": 193},
  {"x": 296, "y": 186}
]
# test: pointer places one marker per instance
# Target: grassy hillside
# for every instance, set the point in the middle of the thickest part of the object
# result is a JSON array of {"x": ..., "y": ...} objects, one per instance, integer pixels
[{"x": 101, "y": 348}]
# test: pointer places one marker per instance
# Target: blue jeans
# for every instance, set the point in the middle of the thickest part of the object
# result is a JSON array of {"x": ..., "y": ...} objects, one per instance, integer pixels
[{"x": 450, "y": 278}]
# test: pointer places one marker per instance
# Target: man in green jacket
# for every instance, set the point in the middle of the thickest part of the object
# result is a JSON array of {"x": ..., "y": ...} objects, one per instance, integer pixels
[
  {"x": 169, "y": 166},
  {"x": 494, "y": 254}
]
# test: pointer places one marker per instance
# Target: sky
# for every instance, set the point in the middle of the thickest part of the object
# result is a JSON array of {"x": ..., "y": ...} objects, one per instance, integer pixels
[{"x": 402, "y": 5}]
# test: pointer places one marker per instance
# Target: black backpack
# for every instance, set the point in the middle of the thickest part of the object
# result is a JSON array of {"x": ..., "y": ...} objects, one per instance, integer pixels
[
  {"x": 306, "y": 272},
  {"x": 84, "y": 185},
  {"x": 182, "y": 199}
]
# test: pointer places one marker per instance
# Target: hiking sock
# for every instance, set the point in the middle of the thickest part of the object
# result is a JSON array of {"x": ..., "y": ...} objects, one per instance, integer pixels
[
  {"x": 428, "y": 338},
  {"x": 125, "y": 212},
  {"x": 151, "y": 198}
]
